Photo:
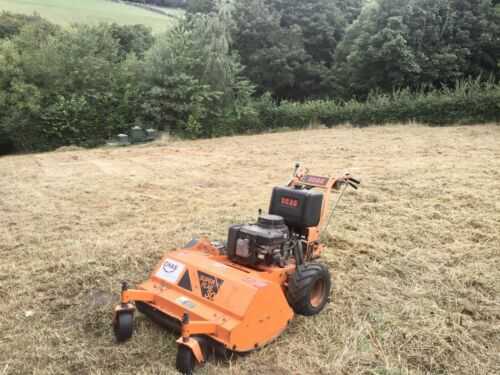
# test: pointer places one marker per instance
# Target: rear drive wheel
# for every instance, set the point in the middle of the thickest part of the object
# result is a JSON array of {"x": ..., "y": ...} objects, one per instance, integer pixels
[
  {"x": 185, "y": 360},
  {"x": 124, "y": 325},
  {"x": 309, "y": 289}
]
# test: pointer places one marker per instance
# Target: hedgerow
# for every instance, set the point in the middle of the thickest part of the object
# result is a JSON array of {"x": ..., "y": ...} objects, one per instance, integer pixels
[{"x": 470, "y": 102}]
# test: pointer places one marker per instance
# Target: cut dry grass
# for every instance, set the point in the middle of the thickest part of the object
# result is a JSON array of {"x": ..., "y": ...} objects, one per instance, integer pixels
[{"x": 415, "y": 253}]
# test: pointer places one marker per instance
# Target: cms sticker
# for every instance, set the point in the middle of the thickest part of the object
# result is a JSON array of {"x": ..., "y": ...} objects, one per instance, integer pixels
[
  {"x": 170, "y": 270},
  {"x": 170, "y": 267}
]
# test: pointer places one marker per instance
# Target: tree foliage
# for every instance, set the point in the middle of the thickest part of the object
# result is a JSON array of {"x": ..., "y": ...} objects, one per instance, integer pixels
[
  {"x": 193, "y": 81},
  {"x": 11, "y": 24},
  {"x": 343, "y": 48},
  {"x": 273, "y": 56},
  {"x": 399, "y": 43},
  {"x": 201, "y": 6},
  {"x": 136, "y": 39},
  {"x": 289, "y": 46}
]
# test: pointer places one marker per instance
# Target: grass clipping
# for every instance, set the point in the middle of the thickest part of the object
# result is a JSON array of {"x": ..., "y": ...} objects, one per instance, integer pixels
[{"x": 414, "y": 254}]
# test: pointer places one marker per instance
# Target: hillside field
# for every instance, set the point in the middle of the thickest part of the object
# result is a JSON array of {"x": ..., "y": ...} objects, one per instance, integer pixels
[
  {"x": 65, "y": 12},
  {"x": 414, "y": 253}
]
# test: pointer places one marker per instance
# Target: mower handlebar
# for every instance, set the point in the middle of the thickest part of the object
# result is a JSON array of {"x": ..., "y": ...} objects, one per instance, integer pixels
[{"x": 300, "y": 172}]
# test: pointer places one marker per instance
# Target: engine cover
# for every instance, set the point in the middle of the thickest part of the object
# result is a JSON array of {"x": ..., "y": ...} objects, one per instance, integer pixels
[{"x": 259, "y": 243}]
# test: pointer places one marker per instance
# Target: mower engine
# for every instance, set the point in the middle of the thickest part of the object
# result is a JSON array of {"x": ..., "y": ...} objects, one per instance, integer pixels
[
  {"x": 264, "y": 242},
  {"x": 274, "y": 239}
]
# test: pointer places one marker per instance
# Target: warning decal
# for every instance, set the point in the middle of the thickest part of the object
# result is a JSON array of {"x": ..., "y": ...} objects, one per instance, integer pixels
[
  {"x": 209, "y": 285},
  {"x": 170, "y": 270},
  {"x": 186, "y": 302},
  {"x": 254, "y": 282}
]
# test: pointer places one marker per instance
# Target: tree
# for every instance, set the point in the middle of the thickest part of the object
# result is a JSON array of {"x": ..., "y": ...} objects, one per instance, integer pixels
[
  {"x": 271, "y": 54},
  {"x": 135, "y": 39},
  {"x": 194, "y": 83},
  {"x": 174, "y": 96},
  {"x": 321, "y": 22},
  {"x": 474, "y": 30},
  {"x": 201, "y": 6},
  {"x": 350, "y": 9},
  {"x": 288, "y": 46},
  {"x": 375, "y": 52}
]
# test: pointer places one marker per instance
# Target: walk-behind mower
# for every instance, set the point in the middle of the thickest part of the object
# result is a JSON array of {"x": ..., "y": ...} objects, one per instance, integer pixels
[{"x": 239, "y": 296}]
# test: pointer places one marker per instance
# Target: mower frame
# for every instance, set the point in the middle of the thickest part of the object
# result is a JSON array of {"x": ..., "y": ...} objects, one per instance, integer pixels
[{"x": 238, "y": 317}]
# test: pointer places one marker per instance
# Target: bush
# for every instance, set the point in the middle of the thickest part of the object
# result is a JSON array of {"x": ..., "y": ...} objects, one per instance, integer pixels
[
  {"x": 11, "y": 24},
  {"x": 163, "y": 3},
  {"x": 76, "y": 86}
]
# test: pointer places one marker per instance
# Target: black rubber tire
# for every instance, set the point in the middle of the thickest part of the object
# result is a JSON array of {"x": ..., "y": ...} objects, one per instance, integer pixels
[
  {"x": 185, "y": 361},
  {"x": 302, "y": 293},
  {"x": 124, "y": 326}
]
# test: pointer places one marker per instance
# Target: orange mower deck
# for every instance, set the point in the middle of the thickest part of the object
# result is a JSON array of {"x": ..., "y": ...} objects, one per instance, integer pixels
[{"x": 238, "y": 316}]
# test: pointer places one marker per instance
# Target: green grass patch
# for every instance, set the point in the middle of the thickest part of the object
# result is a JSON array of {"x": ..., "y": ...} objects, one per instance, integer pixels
[{"x": 66, "y": 12}]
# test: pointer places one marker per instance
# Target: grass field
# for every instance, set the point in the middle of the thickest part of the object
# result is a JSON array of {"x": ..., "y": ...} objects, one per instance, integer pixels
[
  {"x": 66, "y": 12},
  {"x": 414, "y": 254}
]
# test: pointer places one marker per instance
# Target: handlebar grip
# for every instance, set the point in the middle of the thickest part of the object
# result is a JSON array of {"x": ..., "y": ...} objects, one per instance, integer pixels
[
  {"x": 353, "y": 185},
  {"x": 356, "y": 181}
]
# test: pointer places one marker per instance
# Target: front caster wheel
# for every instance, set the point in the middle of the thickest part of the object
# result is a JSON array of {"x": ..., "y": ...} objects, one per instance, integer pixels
[
  {"x": 185, "y": 360},
  {"x": 124, "y": 325}
]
